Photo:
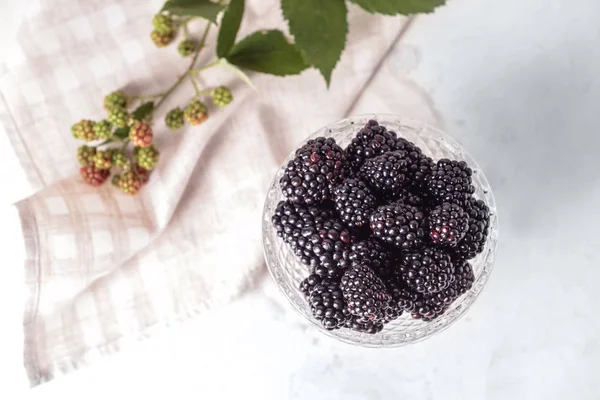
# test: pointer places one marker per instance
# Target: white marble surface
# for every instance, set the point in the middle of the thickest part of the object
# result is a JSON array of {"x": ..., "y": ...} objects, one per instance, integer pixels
[{"x": 517, "y": 82}]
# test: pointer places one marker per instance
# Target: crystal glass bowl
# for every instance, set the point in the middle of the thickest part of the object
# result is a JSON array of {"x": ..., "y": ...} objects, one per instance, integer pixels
[{"x": 288, "y": 271}]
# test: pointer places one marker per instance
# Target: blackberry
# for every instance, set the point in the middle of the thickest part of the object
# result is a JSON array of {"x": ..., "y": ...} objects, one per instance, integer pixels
[
  {"x": 448, "y": 224},
  {"x": 354, "y": 202},
  {"x": 147, "y": 157},
  {"x": 195, "y": 112},
  {"x": 463, "y": 277},
  {"x": 372, "y": 254},
  {"x": 370, "y": 141},
  {"x": 410, "y": 197},
  {"x": 314, "y": 236},
  {"x": 115, "y": 99},
  {"x": 94, "y": 176},
  {"x": 161, "y": 39},
  {"x": 365, "y": 293},
  {"x": 479, "y": 220},
  {"x": 326, "y": 301},
  {"x": 174, "y": 119},
  {"x": 141, "y": 134},
  {"x": 420, "y": 166},
  {"x": 84, "y": 130},
  {"x": 221, "y": 96},
  {"x": 318, "y": 166},
  {"x": 85, "y": 155},
  {"x": 118, "y": 116},
  {"x": 388, "y": 173},
  {"x": 186, "y": 48},
  {"x": 427, "y": 270},
  {"x": 162, "y": 23},
  {"x": 400, "y": 225},
  {"x": 102, "y": 129},
  {"x": 362, "y": 325},
  {"x": 450, "y": 181}
]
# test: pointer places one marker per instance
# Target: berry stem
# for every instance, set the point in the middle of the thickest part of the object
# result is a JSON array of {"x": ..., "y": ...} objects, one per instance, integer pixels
[
  {"x": 195, "y": 84},
  {"x": 205, "y": 67}
]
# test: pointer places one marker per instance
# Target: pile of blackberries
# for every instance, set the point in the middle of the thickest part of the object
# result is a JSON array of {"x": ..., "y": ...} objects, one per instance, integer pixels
[{"x": 382, "y": 227}]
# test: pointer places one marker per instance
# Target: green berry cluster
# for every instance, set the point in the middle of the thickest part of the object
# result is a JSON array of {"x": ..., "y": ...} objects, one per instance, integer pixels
[
  {"x": 103, "y": 129},
  {"x": 186, "y": 48},
  {"x": 195, "y": 112},
  {"x": 164, "y": 30},
  {"x": 118, "y": 116},
  {"x": 84, "y": 130},
  {"x": 221, "y": 96},
  {"x": 146, "y": 157},
  {"x": 115, "y": 99},
  {"x": 174, "y": 119}
]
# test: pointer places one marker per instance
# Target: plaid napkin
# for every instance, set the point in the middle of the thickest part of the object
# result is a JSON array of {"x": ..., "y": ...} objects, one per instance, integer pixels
[{"x": 103, "y": 268}]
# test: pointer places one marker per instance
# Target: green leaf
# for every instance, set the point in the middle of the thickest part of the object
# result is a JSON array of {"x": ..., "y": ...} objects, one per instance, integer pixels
[
  {"x": 268, "y": 52},
  {"x": 122, "y": 133},
  {"x": 320, "y": 28},
  {"x": 195, "y": 8},
  {"x": 393, "y": 7},
  {"x": 143, "y": 111},
  {"x": 230, "y": 24}
]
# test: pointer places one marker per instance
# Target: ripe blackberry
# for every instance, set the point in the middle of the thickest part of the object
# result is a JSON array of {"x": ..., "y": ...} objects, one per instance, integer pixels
[
  {"x": 400, "y": 225},
  {"x": 326, "y": 301},
  {"x": 363, "y": 325},
  {"x": 372, "y": 254},
  {"x": 365, "y": 293},
  {"x": 463, "y": 277},
  {"x": 318, "y": 166},
  {"x": 479, "y": 220},
  {"x": 411, "y": 197},
  {"x": 314, "y": 236},
  {"x": 448, "y": 224},
  {"x": 388, "y": 173},
  {"x": 450, "y": 181},
  {"x": 427, "y": 270},
  {"x": 420, "y": 165},
  {"x": 370, "y": 141},
  {"x": 354, "y": 202}
]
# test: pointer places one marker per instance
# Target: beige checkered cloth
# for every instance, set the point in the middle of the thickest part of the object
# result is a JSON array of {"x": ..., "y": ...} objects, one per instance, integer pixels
[{"x": 103, "y": 268}]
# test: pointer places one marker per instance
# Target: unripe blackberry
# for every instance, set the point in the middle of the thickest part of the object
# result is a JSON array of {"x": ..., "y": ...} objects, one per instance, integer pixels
[
  {"x": 196, "y": 112},
  {"x": 162, "y": 23},
  {"x": 94, "y": 176},
  {"x": 85, "y": 155},
  {"x": 120, "y": 160},
  {"x": 186, "y": 48},
  {"x": 221, "y": 96},
  {"x": 130, "y": 183},
  {"x": 147, "y": 157},
  {"x": 103, "y": 159},
  {"x": 174, "y": 119},
  {"x": 118, "y": 116},
  {"x": 141, "y": 134},
  {"x": 115, "y": 99},
  {"x": 161, "y": 40},
  {"x": 84, "y": 130},
  {"x": 103, "y": 129}
]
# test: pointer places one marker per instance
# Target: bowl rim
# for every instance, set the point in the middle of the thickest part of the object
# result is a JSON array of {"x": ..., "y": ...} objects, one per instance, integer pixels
[{"x": 433, "y": 327}]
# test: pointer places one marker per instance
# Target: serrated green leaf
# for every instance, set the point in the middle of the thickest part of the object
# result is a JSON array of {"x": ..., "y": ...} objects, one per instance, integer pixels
[
  {"x": 319, "y": 28},
  {"x": 393, "y": 7},
  {"x": 195, "y": 8},
  {"x": 268, "y": 52},
  {"x": 230, "y": 24},
  {"x": 122, "y": 133},
  {"x": 166, "y": 5},
  {"x": 143, "y": 111}
]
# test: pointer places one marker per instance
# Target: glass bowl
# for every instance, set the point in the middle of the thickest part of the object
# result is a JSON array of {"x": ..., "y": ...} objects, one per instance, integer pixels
[{"x": 287, "y": 271}]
